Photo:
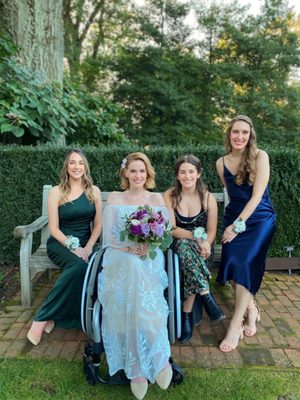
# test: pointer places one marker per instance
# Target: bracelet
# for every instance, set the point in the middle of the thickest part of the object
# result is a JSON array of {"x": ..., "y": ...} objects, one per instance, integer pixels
[
  {"x": 199, "y": 233},
  {"x": 72, "y": 242},
  {"x": 239, "y": 226}
]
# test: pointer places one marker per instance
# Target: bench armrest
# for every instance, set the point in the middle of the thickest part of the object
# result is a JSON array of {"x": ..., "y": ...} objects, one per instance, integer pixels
[{"x": 21, "y": 231}]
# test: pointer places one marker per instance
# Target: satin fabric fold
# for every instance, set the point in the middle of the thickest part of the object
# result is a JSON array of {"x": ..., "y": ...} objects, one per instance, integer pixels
[{"x": 243, "y": 259}]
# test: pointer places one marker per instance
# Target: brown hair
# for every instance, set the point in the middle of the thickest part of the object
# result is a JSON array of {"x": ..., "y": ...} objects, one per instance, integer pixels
[
  {"x": 150, "y": 181},
  {"x": 177, "y": 189},
  {"x": 87, "y": 181},
  {"x": 246, "y": 169}
]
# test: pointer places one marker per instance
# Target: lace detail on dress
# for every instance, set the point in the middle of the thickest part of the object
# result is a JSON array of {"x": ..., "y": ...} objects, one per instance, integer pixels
[{"x": 135, "y": 312}]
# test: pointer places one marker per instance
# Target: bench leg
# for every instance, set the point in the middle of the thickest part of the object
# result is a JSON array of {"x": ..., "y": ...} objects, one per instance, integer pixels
[{"x": 26, "y": 285}]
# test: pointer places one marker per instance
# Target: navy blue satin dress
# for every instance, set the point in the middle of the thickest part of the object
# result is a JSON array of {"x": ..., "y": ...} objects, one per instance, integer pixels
[{"x": 243, "y": 259}]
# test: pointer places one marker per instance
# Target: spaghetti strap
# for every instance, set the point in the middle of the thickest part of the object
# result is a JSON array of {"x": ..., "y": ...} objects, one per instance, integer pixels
[{"x": 207, "y": 201}]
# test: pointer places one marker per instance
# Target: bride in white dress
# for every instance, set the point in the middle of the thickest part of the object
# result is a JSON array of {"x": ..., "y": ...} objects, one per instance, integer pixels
[{"x": 131, "y": 289}]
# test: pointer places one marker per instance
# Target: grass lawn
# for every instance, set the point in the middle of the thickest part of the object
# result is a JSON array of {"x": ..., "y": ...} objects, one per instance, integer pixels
[{"x": 28, "y": 379}]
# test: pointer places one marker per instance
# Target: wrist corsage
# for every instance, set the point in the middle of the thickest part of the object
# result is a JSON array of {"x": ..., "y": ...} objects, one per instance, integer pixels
[
  {"x": 239, "y": 226},
  {"x": 199, "y": 233},
  {"x": 72, "y": 242}
]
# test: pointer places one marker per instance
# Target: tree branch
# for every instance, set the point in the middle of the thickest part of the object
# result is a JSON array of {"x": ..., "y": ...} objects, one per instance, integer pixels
[{"x": 91, "y": 20}]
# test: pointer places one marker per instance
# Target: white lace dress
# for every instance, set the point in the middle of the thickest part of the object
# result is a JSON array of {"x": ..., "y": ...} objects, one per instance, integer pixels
[{"x": 135, "y": 312}]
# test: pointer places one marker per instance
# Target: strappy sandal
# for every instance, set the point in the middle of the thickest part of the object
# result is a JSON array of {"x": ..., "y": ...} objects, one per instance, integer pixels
[
  {"x": 251, "y": 329},
  {"x": 230, "y": 342}
]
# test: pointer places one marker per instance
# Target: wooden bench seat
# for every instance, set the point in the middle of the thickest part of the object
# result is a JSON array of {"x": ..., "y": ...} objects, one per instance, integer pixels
[{"x": 32, "y": 263}]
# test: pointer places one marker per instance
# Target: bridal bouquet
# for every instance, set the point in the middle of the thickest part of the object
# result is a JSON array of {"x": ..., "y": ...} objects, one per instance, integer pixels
[{"x": 146, "y": 225}]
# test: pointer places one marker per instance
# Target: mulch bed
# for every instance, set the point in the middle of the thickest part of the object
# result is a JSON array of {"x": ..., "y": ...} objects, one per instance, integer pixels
[{"x": 9, "y": 281}]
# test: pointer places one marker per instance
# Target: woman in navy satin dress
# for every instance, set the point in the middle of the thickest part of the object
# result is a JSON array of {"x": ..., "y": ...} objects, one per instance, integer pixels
[{"x": 249, "y": 222}]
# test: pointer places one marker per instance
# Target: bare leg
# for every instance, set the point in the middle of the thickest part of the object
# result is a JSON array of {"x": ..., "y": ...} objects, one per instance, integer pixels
[
  {"x": 235, "y": 330},
  {"x": 188, "y": 303}
]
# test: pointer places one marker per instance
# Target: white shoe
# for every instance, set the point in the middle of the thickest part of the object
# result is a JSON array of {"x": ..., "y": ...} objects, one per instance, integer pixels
[
  {"x": 139, "y": 389},
  {"x": 49, "y": 326},
  {"x": 164, "y": 378},
  {"x": 35, "y": 332}
]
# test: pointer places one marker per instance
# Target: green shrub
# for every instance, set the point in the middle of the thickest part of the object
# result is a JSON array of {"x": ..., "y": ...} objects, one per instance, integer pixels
[
  {"x": 35, "y": 111},
  {"x": 24, "y": 171},
  {"x": 95, "y": 118}
]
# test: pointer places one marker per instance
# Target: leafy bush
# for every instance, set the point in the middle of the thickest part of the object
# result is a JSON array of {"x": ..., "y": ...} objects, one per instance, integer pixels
[
  {"x": 35, "y": 111},
  {"x": 96, "y": 119},
  {"x": 31, "y": 107},
  {"x": 24, "y": 171}
]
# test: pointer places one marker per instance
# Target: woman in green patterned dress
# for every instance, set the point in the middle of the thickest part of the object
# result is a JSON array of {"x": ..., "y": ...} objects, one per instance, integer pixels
[
  {"x": 194, "y": 216},
  {"x": 75, "y": 220}
]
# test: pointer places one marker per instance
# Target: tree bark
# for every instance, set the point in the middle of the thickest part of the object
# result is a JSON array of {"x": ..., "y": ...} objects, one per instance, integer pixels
[{"x": 36, "y": 26}]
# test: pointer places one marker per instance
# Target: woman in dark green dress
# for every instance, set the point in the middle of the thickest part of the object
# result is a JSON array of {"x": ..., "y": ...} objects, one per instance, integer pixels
[
  {"x": 194, "y": 216},
  {"x": 74, "y": 211}
]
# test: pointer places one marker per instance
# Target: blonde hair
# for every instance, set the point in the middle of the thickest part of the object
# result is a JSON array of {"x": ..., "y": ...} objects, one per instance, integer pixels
[
  {"x": 150, "y": 181},
  {"x": 246, "y": 169},
  {"x": 87, "y": 181}
]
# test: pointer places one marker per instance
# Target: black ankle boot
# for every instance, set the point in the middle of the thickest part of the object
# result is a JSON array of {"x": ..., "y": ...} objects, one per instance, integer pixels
[
  {"x": 197, "y": 311},
  {"x": 186, "y": 327},
  {"x": 212, "y": 309}
]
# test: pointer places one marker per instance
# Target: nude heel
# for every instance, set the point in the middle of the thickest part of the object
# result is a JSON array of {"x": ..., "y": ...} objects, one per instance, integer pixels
[
  {"x": 35, "y": 340},
  {"x": 35, "y": 333},
  {"x": 139, "y": 389},
  {"x": 164, "y": 378},
  {"x": 49, "y": 326}
]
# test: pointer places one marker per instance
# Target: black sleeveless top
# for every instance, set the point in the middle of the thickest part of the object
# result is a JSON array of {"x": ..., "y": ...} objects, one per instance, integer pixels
[{"x": 191, "y": 223}]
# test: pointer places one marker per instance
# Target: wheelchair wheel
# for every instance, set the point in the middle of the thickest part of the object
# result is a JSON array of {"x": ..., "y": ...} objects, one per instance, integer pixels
[
  {"x": 178, "y": 374},
  {"x": 88, "y": 366},
  {"x": 89, "y": 296},
  {"x": 91, "y": 374}
]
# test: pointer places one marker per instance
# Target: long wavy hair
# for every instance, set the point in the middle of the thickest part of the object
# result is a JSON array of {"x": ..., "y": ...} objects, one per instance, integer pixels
[
  {"x": 246, "y": 169},
  {"x": 87, "y": 181},
  {"x": 150, "y": 181},
  {"x": 200, "y": 186}
]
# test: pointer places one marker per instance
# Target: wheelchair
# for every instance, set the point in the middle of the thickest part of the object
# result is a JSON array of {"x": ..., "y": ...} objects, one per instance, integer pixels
[{"x": 91, "y": 321}]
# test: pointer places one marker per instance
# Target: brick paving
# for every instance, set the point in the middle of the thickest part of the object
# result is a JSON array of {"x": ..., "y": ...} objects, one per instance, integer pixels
[{"x": 277, "y": 342}]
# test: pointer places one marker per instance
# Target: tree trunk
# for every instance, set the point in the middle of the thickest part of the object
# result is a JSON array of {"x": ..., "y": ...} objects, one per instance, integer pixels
[{"x": 36, "y": 26}]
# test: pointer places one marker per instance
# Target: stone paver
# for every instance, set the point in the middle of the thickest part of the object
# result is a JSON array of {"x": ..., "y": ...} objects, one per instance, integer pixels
[{"x": 277, "y": 342}]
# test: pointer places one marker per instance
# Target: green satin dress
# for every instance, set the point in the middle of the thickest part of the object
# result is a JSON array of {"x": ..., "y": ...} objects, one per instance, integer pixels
[{"x": 64, "y": 301}]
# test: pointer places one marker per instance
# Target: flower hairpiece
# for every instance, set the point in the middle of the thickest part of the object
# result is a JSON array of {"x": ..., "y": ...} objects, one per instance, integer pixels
[{"x": 123, "y": 164}]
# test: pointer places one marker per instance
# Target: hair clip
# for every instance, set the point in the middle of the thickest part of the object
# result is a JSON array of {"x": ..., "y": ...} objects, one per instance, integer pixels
[{"x": 123, "y": 164}]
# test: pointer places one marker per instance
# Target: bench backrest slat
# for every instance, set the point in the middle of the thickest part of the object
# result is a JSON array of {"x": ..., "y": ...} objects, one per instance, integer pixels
[{"x": 220, "y": 198}]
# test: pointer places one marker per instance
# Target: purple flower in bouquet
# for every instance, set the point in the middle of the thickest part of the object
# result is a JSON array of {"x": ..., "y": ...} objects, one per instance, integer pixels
[
  {"x": 142, "y": 214},
  {"x": 147, "y": 226},
  {"x": 159, "y": 230},
  {"x": 145, "y": 229},
  {"x": 159, "y": 218},
  {"x": 136, "y": 229}
]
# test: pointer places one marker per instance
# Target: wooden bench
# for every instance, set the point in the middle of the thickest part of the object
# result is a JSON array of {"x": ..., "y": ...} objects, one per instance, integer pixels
[{"x": 32, "y": 263}]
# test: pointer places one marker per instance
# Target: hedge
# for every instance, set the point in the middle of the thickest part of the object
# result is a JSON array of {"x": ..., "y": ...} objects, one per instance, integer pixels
[{"x": 24, "y": 171}]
